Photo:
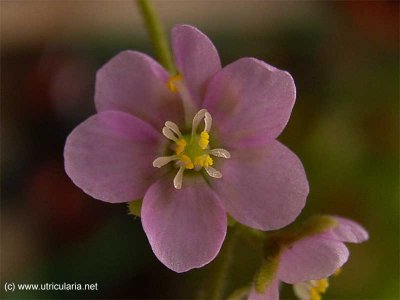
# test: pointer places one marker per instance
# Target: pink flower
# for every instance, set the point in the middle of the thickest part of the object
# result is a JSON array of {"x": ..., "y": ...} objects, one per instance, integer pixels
[
  {"x": 312, "y": 258},
  {"x": 190, "y": 179}
]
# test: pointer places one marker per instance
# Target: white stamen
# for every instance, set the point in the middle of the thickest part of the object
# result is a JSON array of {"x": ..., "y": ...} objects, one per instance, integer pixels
[
  {"x": 171, "y": 131},
  {"x": 219, "y": 152},
  {"x": 179, "y": 178},
  {"x": 169, "y": 134},
  {"x": 174, "y": 128},
  {"x": 213, "y": 173},
  {"x": 302, "y": 290},
  {"x": 197, "y": 119},
  {"x": 163, "y": 160},
  {"x": 207, "y": 121}
]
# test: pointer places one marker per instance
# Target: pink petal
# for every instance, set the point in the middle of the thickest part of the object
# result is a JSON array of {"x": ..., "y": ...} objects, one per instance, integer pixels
[
  {"x": 272, "y": 292},
  {"x": 196, "y": 59},
  {"x": 109, "y": 156},
  {"x": 185, "y": 227},
  {"x": 250, "y": 102},
  {"x": 311, "y": 258},
  {"x": 347, "y": 231},
  {"x": 135, "y": 83},
  {"x": 263, "y": 188}
]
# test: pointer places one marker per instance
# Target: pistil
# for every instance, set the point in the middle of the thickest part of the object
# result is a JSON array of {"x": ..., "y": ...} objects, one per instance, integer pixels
[{"x": 192, "y": 152}]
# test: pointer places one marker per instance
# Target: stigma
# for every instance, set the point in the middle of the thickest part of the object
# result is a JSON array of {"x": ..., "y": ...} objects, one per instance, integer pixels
[{"x": 191, "y": 151}]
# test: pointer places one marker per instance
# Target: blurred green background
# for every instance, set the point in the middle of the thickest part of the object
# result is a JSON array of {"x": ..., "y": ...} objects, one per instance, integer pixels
[{"x": 344, "y": 57}]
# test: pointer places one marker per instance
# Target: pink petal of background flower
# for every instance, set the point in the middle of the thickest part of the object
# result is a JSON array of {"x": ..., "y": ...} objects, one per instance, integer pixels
[
  {"x": 272, "y": 292},
  {"x": 316, "y": 256},
  {"x": 311, "y": 258}
]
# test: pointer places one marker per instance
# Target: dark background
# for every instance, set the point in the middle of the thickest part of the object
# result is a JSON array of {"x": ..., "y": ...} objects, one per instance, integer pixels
[{"x": 344, "y": 57}]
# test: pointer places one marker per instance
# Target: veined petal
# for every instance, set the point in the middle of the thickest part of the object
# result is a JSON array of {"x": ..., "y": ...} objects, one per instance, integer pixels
[
  {"x": 311, "y": 258},
  {"x": 110, "y": 156},
  {"x": 265, "y": 188},
  {"x": 196, "y": 58},
  {"x": 135, "y": 83},
  {"x": 346, "y": 231},
  {"x": 250, "y": 101},
  {"x": 185, "y": 227}
]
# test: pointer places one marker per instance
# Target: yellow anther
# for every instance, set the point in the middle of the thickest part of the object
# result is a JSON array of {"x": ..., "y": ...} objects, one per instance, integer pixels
[
  {"x": 203, "y": 161},
  {"x": 204, "y": 140},
  {"x": 190, "y": 151},
  {"x": 187, "y": 162},
  {"x": 321, "y": 285},
  {"x": 312, "y": 289},
  {"x": 318, "y": 287},
  {"x": 314, "y": 295},
  {"x": 209, "y": 161},
  {"x": 171, "y": 83},
  {"x": 180, "y": 146},
  {"x": 199, "y": 161}
]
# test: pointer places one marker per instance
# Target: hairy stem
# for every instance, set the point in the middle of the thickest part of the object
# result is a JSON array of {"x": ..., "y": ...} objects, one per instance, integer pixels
[
  {"x": 157, "y": 34},
  {"x": 217, "y": 290}
]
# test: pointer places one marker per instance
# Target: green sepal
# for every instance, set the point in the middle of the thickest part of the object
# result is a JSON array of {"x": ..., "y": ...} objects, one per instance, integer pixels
[
  {"x": 316, "y": 225},
  {"x": 135, "y": 207},
  {"x": 312, "y": 226},
  {"x": 269, "y": 266}
]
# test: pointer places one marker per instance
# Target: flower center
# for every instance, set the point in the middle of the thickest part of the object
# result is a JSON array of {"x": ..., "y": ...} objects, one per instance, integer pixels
[{"x": 192, "y": 151}]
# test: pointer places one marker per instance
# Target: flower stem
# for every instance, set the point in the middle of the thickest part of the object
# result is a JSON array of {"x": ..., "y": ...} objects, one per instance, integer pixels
[
  {"x": 221, "y": 278},
  {"x": 157, "y": 34}
]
